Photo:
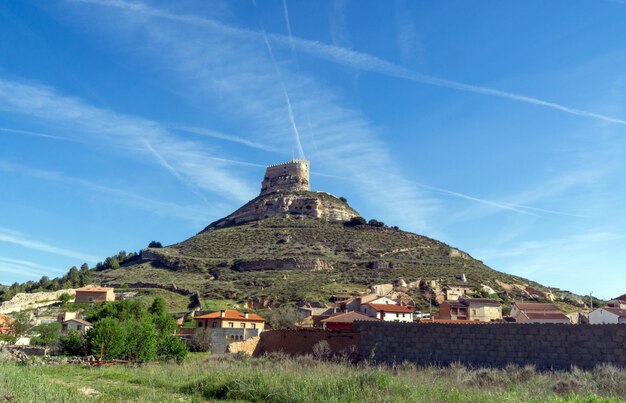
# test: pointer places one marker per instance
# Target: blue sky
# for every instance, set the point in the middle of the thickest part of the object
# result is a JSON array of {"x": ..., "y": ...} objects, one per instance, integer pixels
[{"x": 495, "y": 126}]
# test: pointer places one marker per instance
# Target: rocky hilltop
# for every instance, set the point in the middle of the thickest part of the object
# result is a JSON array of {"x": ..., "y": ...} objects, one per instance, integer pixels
[
  {"x": 285, "y": 192},
  {"x": 290, "y": 244}
]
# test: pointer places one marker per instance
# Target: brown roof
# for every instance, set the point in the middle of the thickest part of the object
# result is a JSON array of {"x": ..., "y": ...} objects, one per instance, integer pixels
[
  {"x": 536, "y": 307},
  {"x": 454, "y": 304},
  {"x": 454, "y": 322},
  {"x": 347, "y": 317},
  {"x": 621, "y": 298},
  {"x": 94, "y": 289},
  {"x": 481, "y": 301},
  {"x": 391, "y": 308},
  {"x": 616, "y": 311},
  {"x": 231, "y": 314},
  {"x": 546, "y": 315},
  {"x": 82, "y": 322}
]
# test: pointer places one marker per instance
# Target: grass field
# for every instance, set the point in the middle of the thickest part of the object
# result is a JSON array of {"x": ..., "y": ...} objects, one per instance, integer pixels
[{"x": 282, "y": 379}]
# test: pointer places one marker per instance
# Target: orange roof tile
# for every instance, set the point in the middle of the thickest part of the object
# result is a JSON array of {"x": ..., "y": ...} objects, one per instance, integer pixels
[
  {"x": 391, "y": 308},
  {"x": 95, "y": 289},
  {"x": 231, "y": 314}
]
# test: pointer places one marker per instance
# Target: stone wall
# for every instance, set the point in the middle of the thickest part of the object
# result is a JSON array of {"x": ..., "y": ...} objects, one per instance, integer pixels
[
  {"x": 558, "y": 346},
  {"x": 283, "y": 264},
  {"x": 25, "y": 301},
  {"x": 247, "y": 347},
  {"x": 291, "y": 176},
  {"x": 302, "y": 341}
]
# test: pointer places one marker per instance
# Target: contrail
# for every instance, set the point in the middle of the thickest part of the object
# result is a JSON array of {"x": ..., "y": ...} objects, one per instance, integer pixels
[
  {"x": 36, "y": 134},
  {"x": 227, "y": 137},
  {"x": 287, "y": 100},
  {"x": 349, "y": 57},
  {"x": 521, "y": 209}
]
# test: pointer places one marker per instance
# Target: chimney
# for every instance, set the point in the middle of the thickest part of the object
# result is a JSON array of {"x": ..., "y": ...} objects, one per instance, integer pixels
[
  {"x": 222, "y": 314},
  {"x": 245, "y": 315}
]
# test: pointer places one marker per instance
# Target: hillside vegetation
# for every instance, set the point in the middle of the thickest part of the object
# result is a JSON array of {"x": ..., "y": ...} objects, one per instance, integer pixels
[{"x": 353, "y": 258}]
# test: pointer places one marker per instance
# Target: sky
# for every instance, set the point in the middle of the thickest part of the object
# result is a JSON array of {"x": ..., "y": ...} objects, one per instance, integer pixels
[{"x": 497, "y": 127}]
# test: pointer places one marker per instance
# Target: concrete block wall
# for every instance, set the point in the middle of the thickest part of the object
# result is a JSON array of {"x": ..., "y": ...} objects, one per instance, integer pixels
[{"x": 557, "y": 346}]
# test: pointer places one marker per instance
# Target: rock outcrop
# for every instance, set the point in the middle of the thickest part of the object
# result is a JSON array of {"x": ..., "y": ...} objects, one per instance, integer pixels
[
  {"x": 283, "y": 264},
  {"x": 23, "y": 301}
]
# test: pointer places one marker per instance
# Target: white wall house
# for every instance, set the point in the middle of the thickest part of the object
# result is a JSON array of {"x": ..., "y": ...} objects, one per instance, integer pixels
[
  {"x": 605, "y": 316},
  {"x": 388, "y": 312}
]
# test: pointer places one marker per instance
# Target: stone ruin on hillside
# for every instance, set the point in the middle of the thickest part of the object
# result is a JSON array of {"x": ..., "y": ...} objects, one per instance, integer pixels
[{"x": 290, "y": 176}]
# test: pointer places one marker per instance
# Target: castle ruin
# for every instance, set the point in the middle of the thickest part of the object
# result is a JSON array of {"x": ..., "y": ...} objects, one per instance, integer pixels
[{"x": 291, "y": 176}]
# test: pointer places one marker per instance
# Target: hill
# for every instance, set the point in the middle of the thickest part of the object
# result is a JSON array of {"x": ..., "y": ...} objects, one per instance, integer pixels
[{"x": 290, "y": 244}]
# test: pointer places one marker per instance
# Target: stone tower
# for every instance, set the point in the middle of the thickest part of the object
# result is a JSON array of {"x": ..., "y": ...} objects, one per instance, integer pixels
[{"x": 290, "y": 176}]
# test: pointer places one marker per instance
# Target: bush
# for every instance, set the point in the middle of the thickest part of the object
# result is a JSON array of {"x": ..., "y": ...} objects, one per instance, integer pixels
[
  {"x": 65, "y": 298},
  {"x": 201, "y": 341},
  {"x": 354, "y": 221},
  {"x": 172, "y": 348},
  {"x": 73, "y": 344},
  {"x": 376, "y": 223},
  {"x": 343, "y": 199},
  {"x": 49, "y": 334},
  {"x": 155, "y": 244}
]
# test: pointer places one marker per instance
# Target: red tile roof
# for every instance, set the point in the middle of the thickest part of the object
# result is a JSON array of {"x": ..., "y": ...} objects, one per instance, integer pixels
[
  {"x": 391, "y": 308},
  {"x": 94, "y": 289},
  {"x": 348, "y": 317},
  {"x": 231, "y": 314}
]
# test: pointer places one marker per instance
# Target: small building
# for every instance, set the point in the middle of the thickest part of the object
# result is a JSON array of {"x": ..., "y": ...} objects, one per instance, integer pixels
[
  {"x": 473, "y": 309},
  {"x": 536, "y": 312},
  {"x": 608, "y": 315},
  {"x": 619, "y": 302},
  {"x": 78, "y": 325},
  {"x": 388, "y": 312},
  {"x": 345, "y": 321},
  {"x": 230, "y": 319},
  {"x": 95, "y": 294},
  {"x": 454, "y": 292}
]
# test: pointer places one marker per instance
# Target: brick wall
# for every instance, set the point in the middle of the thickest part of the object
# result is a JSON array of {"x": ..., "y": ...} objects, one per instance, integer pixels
[
  {"x": 556, "y": 346},
  {"x": 301, "y": 342}
]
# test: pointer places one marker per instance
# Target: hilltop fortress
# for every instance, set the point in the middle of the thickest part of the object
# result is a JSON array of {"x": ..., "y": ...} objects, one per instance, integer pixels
[
  {"x": 285, "y": 191},
  {"x": 290, "y": 176}
]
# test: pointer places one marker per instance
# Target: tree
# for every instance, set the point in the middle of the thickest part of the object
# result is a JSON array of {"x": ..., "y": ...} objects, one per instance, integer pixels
[
  {"x": 343, "y": 199},
  {"x": 48, "y": 334},
  {"x": 155, "y": 244},
  {"x": 284, "y": 317},
  {"x": 376, "y": 223},
  {"x": 107, "y": 333},
  {"x": 172, "y": 348},
  {"x": 141, "y": 340},
  {"x": 84, "y": 275},
  {"x": 73, "y": 276},
  {"x": 158, "y": 307},
  {"x": 20, "y": 325},
  {"x": 65, "y": 297},
  {"x": 73, "y": 344},
  {"x": 201, "y": 340}
]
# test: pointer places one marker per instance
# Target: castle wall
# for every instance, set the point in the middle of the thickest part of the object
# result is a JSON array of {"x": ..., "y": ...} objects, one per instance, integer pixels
[{"x": 291, "y": 176}]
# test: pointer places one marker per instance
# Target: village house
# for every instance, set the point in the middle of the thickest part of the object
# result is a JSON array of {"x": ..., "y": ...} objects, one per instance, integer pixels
[
  {"x": 473, "y": 309},
  {"x": 608, "y": 315},
  {"x": 345, "y": 321},
  {"x": 388, "y": 312},
  {"x": 78, "y": 325},
  {"x": 536, "y": 312},
  {"x": 95, "y": 294},
  {"x": 454, "y": 292},
  {"x": 230, "y": 319},
  {"x": 619, "y": 302}
]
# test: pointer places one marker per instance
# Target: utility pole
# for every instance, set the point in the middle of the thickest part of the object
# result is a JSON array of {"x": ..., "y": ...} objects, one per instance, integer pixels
[{"x": 591, "y": 299}]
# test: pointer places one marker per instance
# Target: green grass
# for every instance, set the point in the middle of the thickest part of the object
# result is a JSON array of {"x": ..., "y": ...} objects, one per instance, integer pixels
[{"x": 282, "y": 379}]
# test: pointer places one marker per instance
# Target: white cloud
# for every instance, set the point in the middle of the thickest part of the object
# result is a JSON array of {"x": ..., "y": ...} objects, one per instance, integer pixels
[{"x": 16, "y": 238}]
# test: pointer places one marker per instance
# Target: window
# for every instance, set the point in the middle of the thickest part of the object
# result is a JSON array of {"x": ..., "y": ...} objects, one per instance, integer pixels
[
  {"x": 243, "y": 325},
  {"x": 397, "y": 315},
  {"x": 231, "y": 324},
  {"x": 253, "y": 325},
  {"x": 200, "y": 324},
  {"x": 214, "y": 324},
  {"x": 79, "y": 328},
  {"x": 90, "y": 299}
]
